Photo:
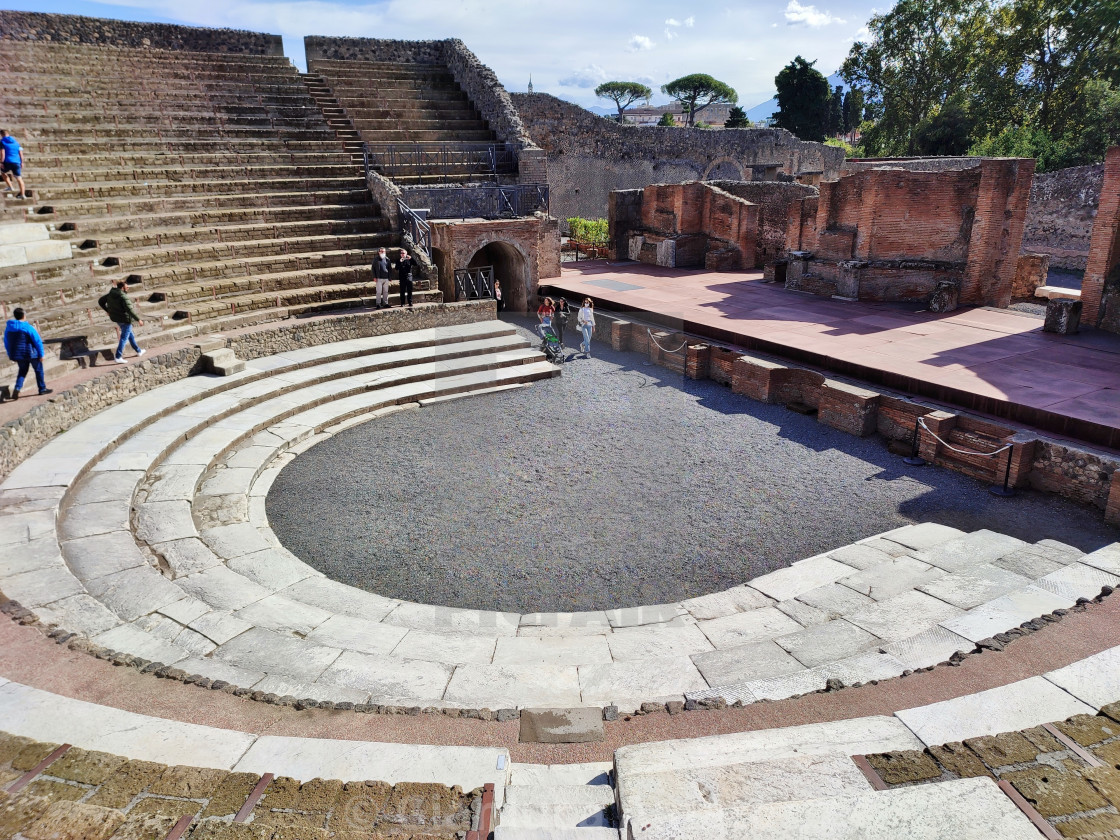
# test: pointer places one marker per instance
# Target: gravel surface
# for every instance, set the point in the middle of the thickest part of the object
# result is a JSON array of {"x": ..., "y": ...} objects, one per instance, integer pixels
[{"x": 614, "y": 485}]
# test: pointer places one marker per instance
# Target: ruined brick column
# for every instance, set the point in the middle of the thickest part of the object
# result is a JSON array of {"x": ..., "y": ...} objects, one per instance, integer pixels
[
  {"x": 620, "y": 335},
  {"x": 696, "y": 363},
  {"x": 1104, "y": 247},
  {"x": 997, "y": 232}
]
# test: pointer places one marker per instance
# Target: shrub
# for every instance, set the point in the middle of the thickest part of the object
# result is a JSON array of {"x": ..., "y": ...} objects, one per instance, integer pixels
[{"x": 591, "y": 231}]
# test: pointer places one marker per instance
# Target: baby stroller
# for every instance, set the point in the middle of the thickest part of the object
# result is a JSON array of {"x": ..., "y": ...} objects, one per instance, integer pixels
[{"x": 550, "y": 345}]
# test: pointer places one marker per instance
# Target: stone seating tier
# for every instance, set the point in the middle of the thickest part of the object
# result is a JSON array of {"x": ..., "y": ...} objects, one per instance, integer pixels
[
  {"x": 224, "y": 182},
  {"x": 229, "y": 596}
]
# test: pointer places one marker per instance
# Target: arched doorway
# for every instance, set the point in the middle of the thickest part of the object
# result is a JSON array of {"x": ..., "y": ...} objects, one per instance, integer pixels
[
  {"x": 511, "y": 269},
  {"x": 724, "y": 169}
]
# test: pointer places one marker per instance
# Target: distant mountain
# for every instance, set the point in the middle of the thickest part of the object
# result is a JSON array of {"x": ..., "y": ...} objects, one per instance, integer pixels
[{"x": 766, "y": 110}]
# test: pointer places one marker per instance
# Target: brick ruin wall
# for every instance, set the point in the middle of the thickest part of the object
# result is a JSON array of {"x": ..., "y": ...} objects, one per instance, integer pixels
[
  {"x": 1100, "y": 290},
  {"x": 774, "y": 200},
  {"x": 475, "y": 78},
  {"x": 898, "y": 233},
  {"x": 76, "y": 29},
  {"x": 590, "y": 156}
]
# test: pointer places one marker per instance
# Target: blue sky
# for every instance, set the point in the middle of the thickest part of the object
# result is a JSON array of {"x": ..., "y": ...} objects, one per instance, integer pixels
[{"x": 568, "y": 47}]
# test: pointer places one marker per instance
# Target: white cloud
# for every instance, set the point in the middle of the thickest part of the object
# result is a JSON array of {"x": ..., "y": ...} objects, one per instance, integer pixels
[
  {"x": 809, "y": 15},
  {"x": 640, "y": 42},
  {"x": 672, "y": 22},
  {"x": 689, "y": 21},
  {"x": 590, "y": 76}
]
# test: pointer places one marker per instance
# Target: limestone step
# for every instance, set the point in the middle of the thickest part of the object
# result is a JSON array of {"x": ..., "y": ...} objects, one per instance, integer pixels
[
  {"x": 173, "y": 189},
  {"x": 963, "y": 809},
  {"x": 131, "y": 206},
  {"x": 553, "y": 816},
  {"x": 590, "y": 773},
  {"x": 503, "y": 832},
  {"x": 178, "y": 173},
  {"x": 110, "y": 241},
  {"x": 598, "y": 795}
]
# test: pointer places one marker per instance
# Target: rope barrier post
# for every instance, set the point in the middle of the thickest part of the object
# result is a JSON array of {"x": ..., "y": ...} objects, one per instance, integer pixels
[
  {"x": 1005, "y": 491},
  {"x": 913, "y": 460}
]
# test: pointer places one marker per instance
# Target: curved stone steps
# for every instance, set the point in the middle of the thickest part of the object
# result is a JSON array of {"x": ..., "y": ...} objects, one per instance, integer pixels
[
  {"x": 235, "y": 186},
  {"x": 176, "y": 172}
]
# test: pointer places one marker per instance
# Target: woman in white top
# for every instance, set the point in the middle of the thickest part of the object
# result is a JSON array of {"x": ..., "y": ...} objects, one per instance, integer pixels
[{"x": 586, "y": 322}]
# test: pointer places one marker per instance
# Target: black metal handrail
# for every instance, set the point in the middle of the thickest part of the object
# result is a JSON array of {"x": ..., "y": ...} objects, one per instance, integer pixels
[
  {"x": 439, "y": 159},
  {"x": 474, "y": 283},
  {"x": 488, "y": 201},
  {"x": 416, "y": 228}
]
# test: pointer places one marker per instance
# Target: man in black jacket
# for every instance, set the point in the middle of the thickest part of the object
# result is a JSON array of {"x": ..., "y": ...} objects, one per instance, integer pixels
[
  {"x": 404, "y": 275},
  {"x": 381, "y": 267}
]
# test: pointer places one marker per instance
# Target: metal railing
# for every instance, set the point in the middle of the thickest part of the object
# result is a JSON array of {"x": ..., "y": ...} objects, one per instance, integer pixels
[
  {"x": 439, "y": 160},
  {"x": 487, "y": 201},
  {"x": 474, "y": 283},
  {"x": 414, "y": 226}
]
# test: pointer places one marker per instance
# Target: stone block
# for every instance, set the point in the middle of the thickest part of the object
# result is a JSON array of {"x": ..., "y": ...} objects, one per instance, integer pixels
[
  {"x": 1106, "y": 781},
  {"x": 760, "y": 660},
  {"x": 561, "y": 726},
  {"x": 956, "y": 758},
  {"x": 748, "y": 627},
  {"x": 75, "y": 821},
  {"x": 827, "y": 642},
  {"x": 1089, "y": 729},
  {"x": 122, "y": 787},
  {"x": 1003, "y": 749},
  {"x": 188, "y": 782},
  {"x": 896, "y": 768},
  {"x": 899, "y": 617},
  {"x": 1056, "y": 793},
  {"x": 1094, "y": 679},
  {"x": 1063, "y": 316}
]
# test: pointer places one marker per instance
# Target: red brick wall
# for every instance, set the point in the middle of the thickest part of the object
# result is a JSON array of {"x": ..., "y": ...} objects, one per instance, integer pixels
[
  {"x": 1104, "y": 247},
  {"x": 997, "y": 231}
]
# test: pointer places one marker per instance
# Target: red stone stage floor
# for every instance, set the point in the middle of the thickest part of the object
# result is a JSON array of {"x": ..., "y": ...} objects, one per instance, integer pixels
[{"x": 996, "y": 362}]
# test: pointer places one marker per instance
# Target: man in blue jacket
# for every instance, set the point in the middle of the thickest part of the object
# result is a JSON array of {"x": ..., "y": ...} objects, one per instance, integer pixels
[{"x": 25, "y": 348}]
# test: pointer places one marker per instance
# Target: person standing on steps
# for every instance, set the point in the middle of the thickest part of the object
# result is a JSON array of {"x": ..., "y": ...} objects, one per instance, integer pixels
[
  {"x": 381, "y": 267},
  {"x": 11, "y": 162},
  {"x": 498, "y": 295},
  {"x": 586, "y": 322},
  {"x": 118, "y": 305},
  {"x": 561, "y": 319},
  {"x": 25, "y": 348},
  {"x": 404, "y": 276}
]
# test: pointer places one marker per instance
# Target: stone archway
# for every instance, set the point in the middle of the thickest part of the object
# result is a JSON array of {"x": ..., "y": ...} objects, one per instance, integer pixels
[
  {"x": 511, "y": 269},
  {"x": 724, "y": 169}
]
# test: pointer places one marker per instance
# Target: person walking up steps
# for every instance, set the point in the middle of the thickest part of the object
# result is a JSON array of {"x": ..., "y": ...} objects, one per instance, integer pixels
[
  {"x": 11, "y": 162},
  {"x": 381, "y": 267},
  {"x": 25, "y": 348},
  {"x": 404, "y": 276},
  {"x": 586, "y": 322},
  {"x": 118, "y": 305}
]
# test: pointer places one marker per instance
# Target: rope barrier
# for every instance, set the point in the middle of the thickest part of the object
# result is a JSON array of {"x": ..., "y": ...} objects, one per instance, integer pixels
[
  {"x": 947, "y": 445},
  {"x": 663, "y": 350}
]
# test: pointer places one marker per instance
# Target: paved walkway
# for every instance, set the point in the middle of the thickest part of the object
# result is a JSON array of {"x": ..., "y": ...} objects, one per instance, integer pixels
[{"x": 997, "y": 362}]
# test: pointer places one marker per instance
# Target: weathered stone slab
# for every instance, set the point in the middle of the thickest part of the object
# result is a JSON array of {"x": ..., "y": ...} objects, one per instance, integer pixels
[
  {"x": 570, "y": 650},
  {"x": 1094, "y": 680},
  {"x": 95, "y": 518},
  {"x": 867, "y": 556},
  {"x": 28, "y": 499},
  {"x": 274, "y": 569},
  {"x": 186, "y": 557},
  {"x": 1078, "y": 580},
  {"x": 452, "y": 648},
  {"x": 1018, "y": 705},
  {"x": 976, "y": 586},
  {"x": 922, "y": 536},
  {"x": 279, "y": 613},
  {"x": 213, "y": 669},
  {"x": 834, "y": 600},
  {"x": 169, "y": 483},
  {"x": 827, "y": 642},
  {"x": 902, "y": 616},
  {"x": 451, "y": 620},
  {"x": 129, "y": 639},
  {"x": 30, "y": 557},
  {"x": 19, "y": 528},
  {"x": 107, "y": 487},
  {"x": 158, "y": 522},
  {"x": 134, "y": 592},
  {"x": 779, "y": 688},
  {"x": 802, "y": 613},
  {"x": 730, "y": 601},
  {"x": 349, "y": 633},
  {"x": 896, "y": 576},
  {"x": 760, "y": 660},
  {"x": 78, "y": 614},
  {"x": 258, "y": 649},
  {"x": 336, "y": 597},
  {"x": 1106, "y": 559},
  {"x": 1005, "y": 612},
  {"x": 963, "y": 809},
  {"x": 561, "y": 726},
  {"x": 1031, "y": 563},
  {"x": 656, "y": 640},
  {"x": 981, "y": 546},
  {"x": 41, "y": 586},
  {"x": 650, "y": 614},
  {"x": 388, "y": 680},
  {"x": 228, "y": 481},
  {"x": 746, "y": 628},
  {"x": 230, "y": 541},
  {"x": 219, "y": 627},
  {"x": 596, "y": 773},
  {"x": 104, "y": 554},
  {"x": 185, "y": 610},
  {"x": 800, "y": 577},
  {"x": 222, "y": 589},
  {"x": 540, "y": 625},
  {"x": 503, "y": 686},
  {"x": 631, "y": 683},
  {"x": 862, "y": 668},
  {"x": 281, "y": 686},
  {"x": 927, "y": 648}
]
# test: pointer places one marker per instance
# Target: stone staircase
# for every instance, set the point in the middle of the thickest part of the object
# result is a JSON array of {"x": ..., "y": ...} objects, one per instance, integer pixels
[
  {"x": 385, "y": 104},
  {"x": 211, "y": 182},
  {"x": 558, "y": 802}
]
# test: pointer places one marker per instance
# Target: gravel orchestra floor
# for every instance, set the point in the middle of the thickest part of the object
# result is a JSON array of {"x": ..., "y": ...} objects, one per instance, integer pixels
[{"x": 612, "y": 486}]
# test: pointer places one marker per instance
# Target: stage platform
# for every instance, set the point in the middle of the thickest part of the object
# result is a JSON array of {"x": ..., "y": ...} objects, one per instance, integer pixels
[{"x": 995, "y": 362}]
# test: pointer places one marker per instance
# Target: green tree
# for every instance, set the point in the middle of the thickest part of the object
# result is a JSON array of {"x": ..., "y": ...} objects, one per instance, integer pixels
[
  {"x": 835, "y": 112},
  {"x": 948, "y": 132},
  {"x": 667, "y": 120},
  {"x": 852, "y": 110},
  {"x": 623, "y": 94},
  {"x": 803, "y": 100},
  {"x": 918, "y": 54},
  {"x": 697, "y": 91},
  {"x": 737, "y": 118}
]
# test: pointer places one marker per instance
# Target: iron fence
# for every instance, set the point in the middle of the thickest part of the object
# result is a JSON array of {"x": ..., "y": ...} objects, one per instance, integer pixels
[
  {"x": 439, "y": 160},
  {"x": 415, "y": 227},
  {"x": 474, "y": 283}
]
